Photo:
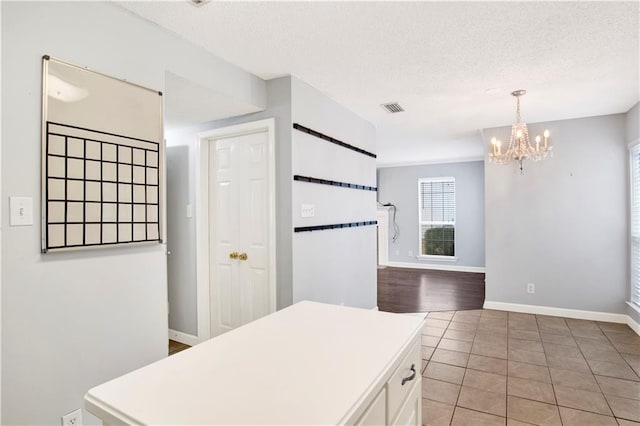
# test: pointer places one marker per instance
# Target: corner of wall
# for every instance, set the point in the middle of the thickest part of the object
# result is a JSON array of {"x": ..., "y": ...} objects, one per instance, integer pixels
[{"x": 632, "y": 123}]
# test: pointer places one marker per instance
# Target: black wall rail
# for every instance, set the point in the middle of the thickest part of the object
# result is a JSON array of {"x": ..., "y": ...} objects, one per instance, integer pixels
[
  {"x": 332, "y": 140},
  {"x": 333, "y": 183},
  {"x": 335, "y": 226}
]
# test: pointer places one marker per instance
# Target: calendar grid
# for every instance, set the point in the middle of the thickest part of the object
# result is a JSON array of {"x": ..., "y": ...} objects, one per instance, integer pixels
[{"x": 100, "y": 188}]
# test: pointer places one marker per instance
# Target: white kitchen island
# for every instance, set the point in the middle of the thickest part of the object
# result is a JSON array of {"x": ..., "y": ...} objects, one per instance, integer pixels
[{"x": 308, "y": 364}]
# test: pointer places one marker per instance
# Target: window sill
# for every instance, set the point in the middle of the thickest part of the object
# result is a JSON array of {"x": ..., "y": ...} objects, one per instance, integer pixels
[
  {"x": 634, "y": 306},
  {"x": 438, "y": 258}
]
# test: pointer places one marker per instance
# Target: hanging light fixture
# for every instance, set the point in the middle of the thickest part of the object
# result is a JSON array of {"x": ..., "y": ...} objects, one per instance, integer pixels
[{"x": 520, "y": 148}]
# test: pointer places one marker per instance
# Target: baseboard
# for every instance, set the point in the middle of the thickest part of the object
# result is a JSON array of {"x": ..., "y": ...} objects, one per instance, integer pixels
[
  {"x": 558, "y": 312},
  {"x": 456, "y": 268},
  {"x": 187, "y": 339}
]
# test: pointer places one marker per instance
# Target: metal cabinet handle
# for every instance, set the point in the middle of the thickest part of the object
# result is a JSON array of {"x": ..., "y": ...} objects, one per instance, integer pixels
[
  {"x": 243, "y": 256},
  {"x": 233, "y": 255},
  {"x": 411, "y": 377}
]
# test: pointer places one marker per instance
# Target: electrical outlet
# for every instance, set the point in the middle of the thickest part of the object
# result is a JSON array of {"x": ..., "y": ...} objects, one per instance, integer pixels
[
  {"x": 397, "y": 252},
  {"x": 531, "y": 288},
  {"x": 73, "y": 418},
  {"x": 410, "y": 253}
]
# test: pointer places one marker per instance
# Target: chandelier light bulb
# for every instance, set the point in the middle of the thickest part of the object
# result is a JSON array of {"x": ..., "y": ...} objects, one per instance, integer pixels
[
  {"x": 519, "y": 134},
  {"x": 546, "y": 133}
]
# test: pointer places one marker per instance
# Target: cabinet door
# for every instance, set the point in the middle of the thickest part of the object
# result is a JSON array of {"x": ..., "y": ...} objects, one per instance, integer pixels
[
  {"x": 411, "y": 412},
  {"x": 400, "y": 384},
  {"x": 376, "y": 412}
]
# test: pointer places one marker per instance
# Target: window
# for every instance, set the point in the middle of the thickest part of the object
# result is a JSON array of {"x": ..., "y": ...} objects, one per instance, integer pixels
[
  {"x": 437, "y": 216},
  {"x": 635, "y": 224}
]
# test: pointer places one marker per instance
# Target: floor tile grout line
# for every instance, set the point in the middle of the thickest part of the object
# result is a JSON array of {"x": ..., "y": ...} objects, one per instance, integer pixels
[
  {"x": 506, "y": 391},
  {"x": 594, "y": 375},
  {"x": 591, "y": 370},
  {"x": 462, "y": 381},
  {"x": 619, "y": 353},
  {"x": 557, "y": 405},
  {"x": 553, "y": 389}
]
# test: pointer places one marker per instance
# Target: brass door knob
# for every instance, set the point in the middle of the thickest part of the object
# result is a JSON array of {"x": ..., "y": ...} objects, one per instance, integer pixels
[
  {"x": 233, "y": 255},
  {"x": 243, "y": 256}
]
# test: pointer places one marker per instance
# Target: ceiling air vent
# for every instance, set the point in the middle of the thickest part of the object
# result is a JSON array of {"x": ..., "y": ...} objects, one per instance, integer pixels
[{"x": 392, "y": 107}]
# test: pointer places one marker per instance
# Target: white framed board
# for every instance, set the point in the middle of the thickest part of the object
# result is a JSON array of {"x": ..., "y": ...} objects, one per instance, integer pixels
[{"x": 102, "y": 160}]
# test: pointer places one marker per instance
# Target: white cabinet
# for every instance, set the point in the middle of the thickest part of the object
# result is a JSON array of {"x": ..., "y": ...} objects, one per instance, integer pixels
[
  {"x": 403, "y": 392},
  {"x": 411, "y": 411},
  {"x": 310, "y": 363},
  {"x": 376, "y": 413}
]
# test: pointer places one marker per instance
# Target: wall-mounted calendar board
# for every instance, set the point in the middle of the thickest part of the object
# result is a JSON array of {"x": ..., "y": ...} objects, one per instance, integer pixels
[{"x": 102, "y": 160}]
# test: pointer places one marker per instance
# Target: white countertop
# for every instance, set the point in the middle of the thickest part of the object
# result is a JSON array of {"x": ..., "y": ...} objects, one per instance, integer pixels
[{"x": 310, "y": 363}]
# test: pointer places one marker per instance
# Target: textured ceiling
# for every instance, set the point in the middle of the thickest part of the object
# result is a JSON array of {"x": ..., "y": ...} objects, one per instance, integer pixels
[{"x": 437, "y": 59}]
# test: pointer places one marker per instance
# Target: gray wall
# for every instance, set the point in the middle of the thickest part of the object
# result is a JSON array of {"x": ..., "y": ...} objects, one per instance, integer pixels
[
  {"x": 74, "y": 320},
  {"x": 306, "y": 272},
  {"x": 563, "y": 224},
  {"x": 181, "y": 261},
  {"x": 399, "y": 186},
  {"x": 632, "y": 132},
  {"x": 181, "y": 154},
  {"x": 632, "y": 123}
]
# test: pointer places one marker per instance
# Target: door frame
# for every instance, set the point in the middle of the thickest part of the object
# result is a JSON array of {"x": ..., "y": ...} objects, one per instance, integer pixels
[{"x": 204, "y": 141}]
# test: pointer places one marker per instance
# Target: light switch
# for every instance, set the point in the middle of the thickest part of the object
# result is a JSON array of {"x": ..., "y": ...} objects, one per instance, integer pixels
[
  {"x": 308, "y": 210},
  {"x": 21, "y": 211},
  {"x": 189, "y": 211}
]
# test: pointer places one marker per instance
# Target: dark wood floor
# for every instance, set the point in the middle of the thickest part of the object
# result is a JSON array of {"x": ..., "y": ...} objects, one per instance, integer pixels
[
  {"x": 175, "y": 347},
  {"x": 422, "y": 290}
]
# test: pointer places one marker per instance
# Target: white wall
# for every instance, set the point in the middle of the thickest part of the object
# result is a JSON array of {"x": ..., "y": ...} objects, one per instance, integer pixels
[
  {"x": 73, "y": 320},
  {"x": 1, "y": 197},
  {"x": 563, "y": 224},
  {"x": 632, "y": 133},
  {"x": 399, "y": 186},
  {"x": 181, "y": 152},
  {"x": 333, "y": 266}
]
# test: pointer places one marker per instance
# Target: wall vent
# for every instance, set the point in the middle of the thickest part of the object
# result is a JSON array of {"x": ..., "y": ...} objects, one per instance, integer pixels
[
  {"x": 392, "y": 107},
  {"x": 198, "y": 3}
]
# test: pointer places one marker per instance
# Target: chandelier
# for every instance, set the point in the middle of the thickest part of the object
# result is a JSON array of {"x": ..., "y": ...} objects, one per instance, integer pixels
[{"x": 520, "y": 148}]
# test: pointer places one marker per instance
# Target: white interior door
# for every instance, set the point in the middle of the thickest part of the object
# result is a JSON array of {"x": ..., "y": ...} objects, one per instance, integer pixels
[{"x": 239, "y": 230}]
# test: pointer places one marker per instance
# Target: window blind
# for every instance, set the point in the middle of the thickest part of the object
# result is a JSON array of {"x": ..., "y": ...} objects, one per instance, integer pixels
[
  {"x": 635, "y": 224},
  {"x": 437, "y": 216},
  {"x": 438, "y": 201}
]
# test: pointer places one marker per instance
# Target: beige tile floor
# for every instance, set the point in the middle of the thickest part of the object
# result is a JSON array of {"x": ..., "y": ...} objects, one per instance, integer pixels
[{"x": 488, "y": 367}]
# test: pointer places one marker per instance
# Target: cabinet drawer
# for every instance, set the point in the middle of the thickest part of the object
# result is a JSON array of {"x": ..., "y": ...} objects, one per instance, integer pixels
[
  {"x": 402, "y": 380},
  {"x": 376, "y": 412}
]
